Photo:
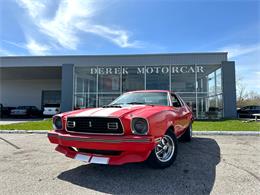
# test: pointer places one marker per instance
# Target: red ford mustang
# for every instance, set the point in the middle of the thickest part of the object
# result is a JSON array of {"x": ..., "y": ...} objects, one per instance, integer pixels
[{"x": 137, "y": 126}]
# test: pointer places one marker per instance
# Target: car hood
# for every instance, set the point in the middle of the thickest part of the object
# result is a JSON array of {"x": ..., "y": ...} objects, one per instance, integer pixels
[{"x": 137, "y": 110}]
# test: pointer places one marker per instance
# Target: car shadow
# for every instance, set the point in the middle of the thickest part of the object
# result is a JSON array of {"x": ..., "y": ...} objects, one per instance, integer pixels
[{"x": 193, "y": 172}]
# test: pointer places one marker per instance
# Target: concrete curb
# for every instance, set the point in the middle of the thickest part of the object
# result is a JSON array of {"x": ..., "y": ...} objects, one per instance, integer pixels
[
  {"x": 246, "y": 133},
  {"x": 227, "y": 133},
  {"x": 24, "y": 131}
]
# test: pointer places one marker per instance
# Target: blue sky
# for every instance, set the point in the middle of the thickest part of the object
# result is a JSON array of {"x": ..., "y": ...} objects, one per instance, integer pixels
[{"x": 62, "y": 27}]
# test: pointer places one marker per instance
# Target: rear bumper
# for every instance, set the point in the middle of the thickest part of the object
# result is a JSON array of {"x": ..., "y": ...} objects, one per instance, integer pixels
[{"x": 130, "y": 148}]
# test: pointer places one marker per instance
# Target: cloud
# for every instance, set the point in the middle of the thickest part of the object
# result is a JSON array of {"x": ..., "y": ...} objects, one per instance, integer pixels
[
  {"x": 247, "y": 60},
  {"x": 71, "y": 18},
  {"x": 36, "y": 48},
  {"x": 116, "y": 36},
  {"x": 32, "y": 46},
  {"x": 4, "y": 52},
  {"x": 35, "y": 8},
  {"x": 238, "y": 50}
]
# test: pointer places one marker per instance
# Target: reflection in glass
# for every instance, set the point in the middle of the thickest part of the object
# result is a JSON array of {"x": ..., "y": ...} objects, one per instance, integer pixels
[
  {"x": 132, "y": 78},
  {"x": 105, "y": 99},
  {"x": 157, "y": 77},
  {"x": 109, "y": 81},
  {"x": 183, "y": 78},
  {"x": 199, "y": 85}
]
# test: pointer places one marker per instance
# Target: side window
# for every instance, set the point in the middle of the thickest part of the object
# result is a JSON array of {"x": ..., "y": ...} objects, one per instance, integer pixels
[
  {"x": 246, "y": 108},
  {"x": 34, "y": 108},
  {"x": 175, "y": 101}
]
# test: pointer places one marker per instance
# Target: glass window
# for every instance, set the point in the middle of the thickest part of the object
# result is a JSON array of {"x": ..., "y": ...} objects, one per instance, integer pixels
[
  {"x": 157, "y": 77},
  {"x": 218, "y": 81},
  {"x": 211, "y": 83},
  {"x": 175, "y": 101},
  {"x": 85, "y": 79},
  {"x": 132, "y": 78},
  {"x": 190, "y": 100},
  {"x": 183, "y": 78},
  {"x": 200, "y": 86},
  {"x": 109, "y": 79},
  {"x": 157, "y": 98},
  {"x": 105, "y": 99}
]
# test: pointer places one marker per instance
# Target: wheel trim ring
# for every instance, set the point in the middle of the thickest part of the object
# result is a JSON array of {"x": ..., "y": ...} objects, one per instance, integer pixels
[{"x": 170, "y": 150}]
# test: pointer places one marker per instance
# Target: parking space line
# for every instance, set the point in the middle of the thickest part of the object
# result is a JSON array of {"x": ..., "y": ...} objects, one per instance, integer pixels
[{"x": 15, "y": 146}]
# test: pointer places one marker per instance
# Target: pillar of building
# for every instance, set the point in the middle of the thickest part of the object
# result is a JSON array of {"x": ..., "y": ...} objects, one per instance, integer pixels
[
  {"x": 229, "y": 89},
  {"x": 67, "y": 87}
]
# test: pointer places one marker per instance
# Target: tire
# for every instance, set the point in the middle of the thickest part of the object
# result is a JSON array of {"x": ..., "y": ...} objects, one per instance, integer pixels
[
  {"x": 168, "y": 146},
  {"x": 187, "y": 136}
]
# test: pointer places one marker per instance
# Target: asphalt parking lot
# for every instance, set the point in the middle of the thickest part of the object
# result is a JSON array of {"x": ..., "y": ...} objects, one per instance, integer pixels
[{"x": 208, "y": 164}]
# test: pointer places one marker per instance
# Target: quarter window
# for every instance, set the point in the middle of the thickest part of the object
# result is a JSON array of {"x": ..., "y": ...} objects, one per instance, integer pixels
[{"x": 175, "y": 101}]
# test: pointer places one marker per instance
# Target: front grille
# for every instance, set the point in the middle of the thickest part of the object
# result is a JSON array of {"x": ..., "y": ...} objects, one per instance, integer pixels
[{"x": 94, "y": 125}]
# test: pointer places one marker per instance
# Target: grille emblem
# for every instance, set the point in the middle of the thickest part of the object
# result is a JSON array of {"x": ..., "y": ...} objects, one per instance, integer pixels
[
  {"x": 112, "y": 125},
  {"x": 89, "y": 124},
  {"x": 71, "y": 124}
]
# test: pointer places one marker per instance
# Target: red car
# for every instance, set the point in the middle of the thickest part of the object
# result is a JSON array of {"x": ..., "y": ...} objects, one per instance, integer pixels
[{"x": 137, "y": 126}]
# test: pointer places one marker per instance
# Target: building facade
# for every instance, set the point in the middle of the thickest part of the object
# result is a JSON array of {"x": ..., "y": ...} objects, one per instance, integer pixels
[{"x": 206, "y": 81}]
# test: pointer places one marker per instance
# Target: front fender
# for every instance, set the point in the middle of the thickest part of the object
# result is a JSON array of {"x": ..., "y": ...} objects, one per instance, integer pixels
[{"x": 160, "y": 122}]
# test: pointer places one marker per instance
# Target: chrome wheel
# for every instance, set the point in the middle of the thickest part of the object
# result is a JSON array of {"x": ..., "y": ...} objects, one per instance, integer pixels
[{"x": 165, "y": 149}]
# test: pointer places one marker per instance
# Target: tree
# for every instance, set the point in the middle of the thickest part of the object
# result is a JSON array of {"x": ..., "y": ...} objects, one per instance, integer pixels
[{"x": 245, "y": 97}]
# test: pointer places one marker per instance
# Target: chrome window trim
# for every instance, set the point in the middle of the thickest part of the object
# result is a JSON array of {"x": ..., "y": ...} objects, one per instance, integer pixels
[{"x": 169, "y": 99}]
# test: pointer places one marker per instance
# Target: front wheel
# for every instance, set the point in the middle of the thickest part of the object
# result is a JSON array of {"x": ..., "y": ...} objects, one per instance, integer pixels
[
  {"x": 164, "y": 154},
  {"x": 187, "y": 136}
]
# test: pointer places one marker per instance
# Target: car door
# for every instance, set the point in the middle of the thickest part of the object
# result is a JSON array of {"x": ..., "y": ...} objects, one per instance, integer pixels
[
  {"x": 187, "y": 113},
  {"x": 179, "y": 114}
]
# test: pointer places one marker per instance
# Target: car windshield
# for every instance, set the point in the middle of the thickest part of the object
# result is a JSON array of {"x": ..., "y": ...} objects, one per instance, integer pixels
[{"x": 151, "y": 98}]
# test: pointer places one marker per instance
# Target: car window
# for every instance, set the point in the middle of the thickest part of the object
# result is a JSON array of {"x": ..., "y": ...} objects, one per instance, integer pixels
[
  {"x": 175, "y": 101},
  {"x": 156, "y": 98},
  {"x": 246, "y": 108}
]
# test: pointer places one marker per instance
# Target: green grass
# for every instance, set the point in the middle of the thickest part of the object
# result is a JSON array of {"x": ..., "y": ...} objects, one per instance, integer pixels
[
  {"x": 34, "y": 125},
  {"x": 226, "y": 125},
  {"x": 223, "y": 125}
]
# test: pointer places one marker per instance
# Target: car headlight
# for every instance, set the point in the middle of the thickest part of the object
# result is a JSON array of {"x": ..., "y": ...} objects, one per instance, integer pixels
[
  {"x": 139, "y": 126},
  {"x": 57, "y": 122}
]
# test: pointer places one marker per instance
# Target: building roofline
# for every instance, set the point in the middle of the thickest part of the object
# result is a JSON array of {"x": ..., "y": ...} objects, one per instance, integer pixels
[{"x": 121, "y": 55}]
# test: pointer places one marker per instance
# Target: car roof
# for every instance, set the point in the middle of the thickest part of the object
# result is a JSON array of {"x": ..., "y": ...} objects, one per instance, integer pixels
[{"x": 149, "y": 91}]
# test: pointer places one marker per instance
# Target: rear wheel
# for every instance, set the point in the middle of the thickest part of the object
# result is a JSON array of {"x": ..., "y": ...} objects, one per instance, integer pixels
[{"x": 164, "y": 154}]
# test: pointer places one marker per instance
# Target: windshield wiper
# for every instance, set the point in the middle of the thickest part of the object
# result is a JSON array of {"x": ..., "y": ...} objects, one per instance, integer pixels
[
  {"x": 135, "y": 103},
  {"x": 112, "y": 106}
]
